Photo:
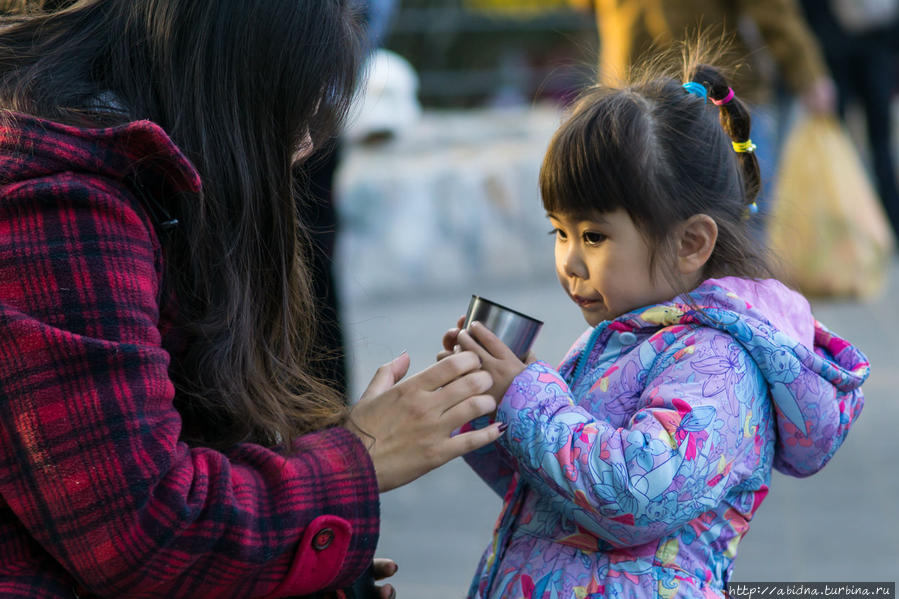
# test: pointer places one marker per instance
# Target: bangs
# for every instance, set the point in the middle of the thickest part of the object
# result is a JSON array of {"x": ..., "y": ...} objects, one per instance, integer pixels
[{"x": 596, "y": 161}]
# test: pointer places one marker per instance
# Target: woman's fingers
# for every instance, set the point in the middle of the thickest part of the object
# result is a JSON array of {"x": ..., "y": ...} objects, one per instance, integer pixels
[
  {"x": 469, "y": 409},
  {"x": 467, "y": 442},
  {"x": 445, "y": 371},
  {"x": 384, "y": 568},
  {"x": 387, "y": 592},
  {"x": 387, "y": 376},
  {"x": 408, "y": 427},
  {"x": 473, "y": 383}
]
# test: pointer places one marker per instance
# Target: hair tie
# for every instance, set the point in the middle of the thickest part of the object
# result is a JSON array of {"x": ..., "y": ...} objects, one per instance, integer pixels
[
  {"x": 751, "y": 209},
  {"x": 744, "y": 146},
  {"x": 725, "y": 99},
  {"x": 697, "y": 89}
]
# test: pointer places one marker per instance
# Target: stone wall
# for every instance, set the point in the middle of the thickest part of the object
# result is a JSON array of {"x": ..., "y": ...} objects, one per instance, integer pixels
[{"x": 452, "y": 201}]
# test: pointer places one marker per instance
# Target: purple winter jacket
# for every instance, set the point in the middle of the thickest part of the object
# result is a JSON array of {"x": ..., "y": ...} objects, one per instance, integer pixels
[{"x": 633, "y": 469}]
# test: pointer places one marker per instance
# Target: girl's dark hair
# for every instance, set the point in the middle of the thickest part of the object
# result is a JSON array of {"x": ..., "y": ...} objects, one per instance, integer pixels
[
  {"x": 237, "y": 85},
  {"x": 663, "y": 155}
]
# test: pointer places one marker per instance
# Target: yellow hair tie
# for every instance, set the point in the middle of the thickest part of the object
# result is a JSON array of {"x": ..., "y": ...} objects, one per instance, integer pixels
[{"x": 743, "y": 146}]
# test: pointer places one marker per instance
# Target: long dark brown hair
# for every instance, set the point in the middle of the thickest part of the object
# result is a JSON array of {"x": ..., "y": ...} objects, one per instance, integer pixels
[
  {"x": 663, "y": 155},
  {"x": 238, "y": 85},
  {"x": 21, "y": 7}
]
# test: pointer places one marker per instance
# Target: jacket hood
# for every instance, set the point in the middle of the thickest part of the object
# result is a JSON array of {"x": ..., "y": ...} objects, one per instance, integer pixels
[
  {"x": 139, "y": 153},
  {"x": 813, "y": 375}
]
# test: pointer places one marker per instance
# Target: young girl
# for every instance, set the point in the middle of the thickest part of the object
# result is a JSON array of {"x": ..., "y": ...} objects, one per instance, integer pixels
[{"x": 633, "y": 469}]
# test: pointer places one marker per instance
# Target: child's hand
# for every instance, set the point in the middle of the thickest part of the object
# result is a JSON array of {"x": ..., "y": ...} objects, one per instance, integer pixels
[
  {"x": 496, "y": 357},
  {"x": 450, "y": 340}
]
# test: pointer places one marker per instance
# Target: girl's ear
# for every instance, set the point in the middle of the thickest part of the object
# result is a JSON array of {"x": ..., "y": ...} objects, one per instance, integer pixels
[{"x": 698, "y": 236}]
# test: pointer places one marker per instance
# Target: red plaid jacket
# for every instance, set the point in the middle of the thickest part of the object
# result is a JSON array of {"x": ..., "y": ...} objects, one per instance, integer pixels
[{"x": 96, "y": 491}]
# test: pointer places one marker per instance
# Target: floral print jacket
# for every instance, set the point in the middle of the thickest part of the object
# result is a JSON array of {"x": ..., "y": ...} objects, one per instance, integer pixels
[{"x": 634, "y": 469}]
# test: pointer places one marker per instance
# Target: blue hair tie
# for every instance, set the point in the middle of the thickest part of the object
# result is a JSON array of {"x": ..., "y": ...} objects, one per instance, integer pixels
[
  {"x": 751, "y": 209},
  {"x": 697, "y": 89}
]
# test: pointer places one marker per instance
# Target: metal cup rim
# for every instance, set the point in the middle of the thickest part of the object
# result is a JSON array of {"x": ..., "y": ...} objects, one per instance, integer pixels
[{"x": 475, "y": 298}]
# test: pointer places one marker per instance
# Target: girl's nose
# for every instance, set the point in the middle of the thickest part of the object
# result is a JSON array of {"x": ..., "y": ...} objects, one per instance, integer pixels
[{"x": 573, "y": 264}]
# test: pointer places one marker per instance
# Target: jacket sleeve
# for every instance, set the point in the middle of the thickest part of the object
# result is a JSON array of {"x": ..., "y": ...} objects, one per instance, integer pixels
[
  {"x": 789, "y": 39},
  {"x": 91, "y": 461},
  {"x": 488, "y": 462},
  {"x": 675, "y": 459}
]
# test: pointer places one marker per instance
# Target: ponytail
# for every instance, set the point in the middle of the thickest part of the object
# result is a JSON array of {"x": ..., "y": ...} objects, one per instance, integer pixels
[{"x": 736, "y": 122}]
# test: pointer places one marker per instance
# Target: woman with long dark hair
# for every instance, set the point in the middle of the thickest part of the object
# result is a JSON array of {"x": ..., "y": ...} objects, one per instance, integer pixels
[{"x": 160, "y": 431}]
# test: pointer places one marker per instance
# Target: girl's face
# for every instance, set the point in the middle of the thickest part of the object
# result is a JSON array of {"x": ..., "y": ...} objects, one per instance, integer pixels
[{"x": 603, "y": 264}]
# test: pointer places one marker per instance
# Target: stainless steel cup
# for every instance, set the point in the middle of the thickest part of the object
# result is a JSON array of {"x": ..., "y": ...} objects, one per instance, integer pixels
[{"x": 515, "y": 329}]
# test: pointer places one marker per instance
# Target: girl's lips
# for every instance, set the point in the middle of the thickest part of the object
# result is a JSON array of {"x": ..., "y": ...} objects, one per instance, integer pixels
[{"x": 584, "y": 302}]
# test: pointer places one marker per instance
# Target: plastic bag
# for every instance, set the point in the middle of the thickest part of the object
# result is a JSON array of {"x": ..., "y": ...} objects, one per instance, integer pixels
[{"x": 827, "y": 224}]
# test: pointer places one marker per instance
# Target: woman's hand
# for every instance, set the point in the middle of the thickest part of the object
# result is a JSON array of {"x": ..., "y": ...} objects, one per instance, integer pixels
[
  {"x": 496, "y": 357},
  {"x": 407, "y": 426},
  {"x": 385, "y": 568}
]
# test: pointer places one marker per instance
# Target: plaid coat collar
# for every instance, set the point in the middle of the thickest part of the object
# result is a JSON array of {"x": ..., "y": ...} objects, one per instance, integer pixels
[{"x": 139, "y": 151}]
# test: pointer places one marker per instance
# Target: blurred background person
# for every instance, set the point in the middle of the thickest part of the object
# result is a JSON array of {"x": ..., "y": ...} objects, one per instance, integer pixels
[
  {"x": 860, "y": 40},
  {"x": 769, "y": 40},
  {"x": 319, "y": 211}
]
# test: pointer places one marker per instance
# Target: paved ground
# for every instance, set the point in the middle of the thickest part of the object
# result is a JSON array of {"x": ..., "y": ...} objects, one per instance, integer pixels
[{"x": 839, "y": 525}]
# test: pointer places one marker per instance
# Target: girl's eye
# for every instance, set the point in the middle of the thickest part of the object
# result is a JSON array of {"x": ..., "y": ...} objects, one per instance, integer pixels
[
  {"x": 558, "y": 233},
  {"x": 593, "y": 238}
]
